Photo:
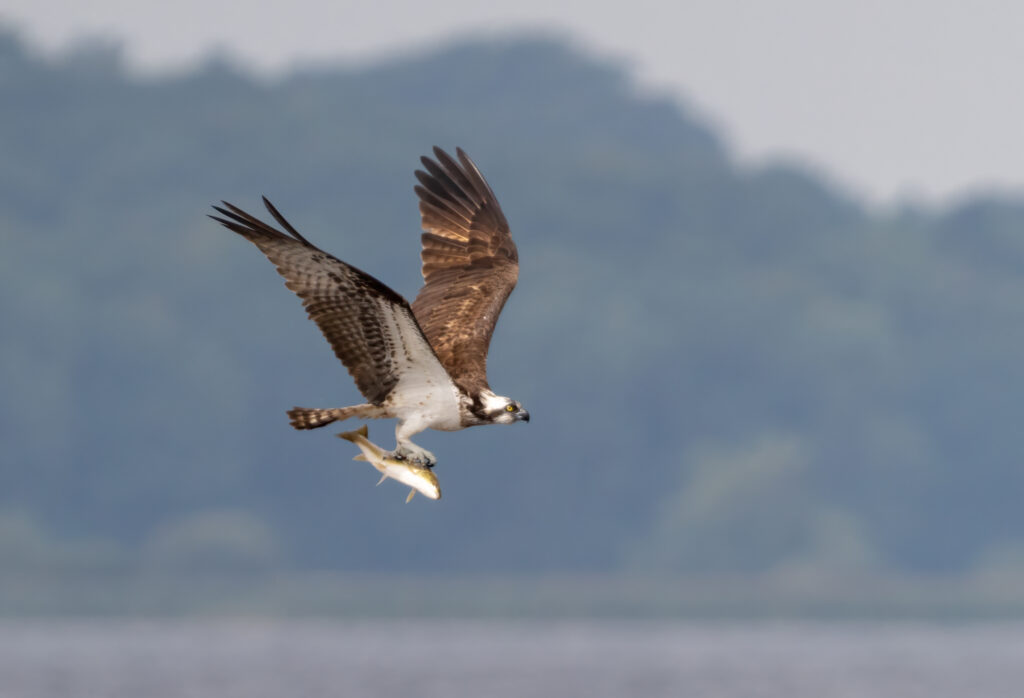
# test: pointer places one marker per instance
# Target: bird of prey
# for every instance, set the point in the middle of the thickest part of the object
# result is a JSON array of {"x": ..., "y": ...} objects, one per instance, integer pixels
[{"x": 424, "y": 364}]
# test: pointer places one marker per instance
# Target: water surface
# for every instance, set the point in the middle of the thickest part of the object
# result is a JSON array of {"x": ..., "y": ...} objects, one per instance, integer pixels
[{"x": 426, "y": 659}]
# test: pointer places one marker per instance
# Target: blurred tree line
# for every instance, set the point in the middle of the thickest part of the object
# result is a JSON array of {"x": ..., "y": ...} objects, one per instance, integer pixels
[{"x": 729, "y": 369}]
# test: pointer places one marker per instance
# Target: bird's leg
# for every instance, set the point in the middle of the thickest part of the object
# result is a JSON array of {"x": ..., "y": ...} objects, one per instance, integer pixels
[
  {"x": 406, "y": 449},
  {"x": 416, "y": 454}
]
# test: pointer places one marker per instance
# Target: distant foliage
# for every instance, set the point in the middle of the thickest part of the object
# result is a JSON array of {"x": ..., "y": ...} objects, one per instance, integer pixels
[{"x": 728, "y": 369}]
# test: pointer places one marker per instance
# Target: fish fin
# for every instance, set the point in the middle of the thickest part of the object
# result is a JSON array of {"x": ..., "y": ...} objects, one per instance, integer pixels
[
  {"x": 408, "y": 499},
  {"x": 382, "y": 479},
  {"x": 351, "y": 435},
  {"x": 359, "y": 456}
]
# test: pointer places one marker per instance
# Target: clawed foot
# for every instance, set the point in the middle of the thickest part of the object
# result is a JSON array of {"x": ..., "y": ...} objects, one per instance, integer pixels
[{"x": 417, "y": 455}]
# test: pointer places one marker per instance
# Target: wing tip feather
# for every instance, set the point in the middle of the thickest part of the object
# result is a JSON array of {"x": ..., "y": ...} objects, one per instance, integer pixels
[{"x": 249, "y": 226}]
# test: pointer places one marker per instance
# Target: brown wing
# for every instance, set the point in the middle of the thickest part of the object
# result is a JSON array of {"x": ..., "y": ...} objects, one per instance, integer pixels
[
  {"x": 470, "y": 265},
  {"x": 370, "y": 327}
]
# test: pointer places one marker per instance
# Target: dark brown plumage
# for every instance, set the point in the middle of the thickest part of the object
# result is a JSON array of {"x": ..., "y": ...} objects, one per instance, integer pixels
[
  {"x": 343, "y": 301},
  {"x": 470, "y": 266}
]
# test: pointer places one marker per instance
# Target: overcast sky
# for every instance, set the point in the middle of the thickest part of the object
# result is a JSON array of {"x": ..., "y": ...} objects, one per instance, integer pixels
[{"x": 894, "y": 98}]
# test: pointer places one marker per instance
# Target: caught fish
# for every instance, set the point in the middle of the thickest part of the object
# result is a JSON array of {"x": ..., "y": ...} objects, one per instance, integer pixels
[{"x": 418, "y": 477}]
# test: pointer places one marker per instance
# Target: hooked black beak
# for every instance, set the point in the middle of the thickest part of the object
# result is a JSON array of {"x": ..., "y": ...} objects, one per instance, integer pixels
[{"x": 523, "y": 416}]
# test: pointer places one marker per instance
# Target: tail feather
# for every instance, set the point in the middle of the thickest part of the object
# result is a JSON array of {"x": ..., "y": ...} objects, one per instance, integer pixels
[{"x": 313, "y": 418}]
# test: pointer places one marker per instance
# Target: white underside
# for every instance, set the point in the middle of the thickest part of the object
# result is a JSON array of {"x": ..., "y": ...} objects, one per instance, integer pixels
[{"x": 425, "y": 396}]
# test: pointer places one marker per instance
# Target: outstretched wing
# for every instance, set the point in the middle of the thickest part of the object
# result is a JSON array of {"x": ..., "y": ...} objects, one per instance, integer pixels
[
  {"x": 470, "y": 265},
  {"x": 370, "y": 327}
]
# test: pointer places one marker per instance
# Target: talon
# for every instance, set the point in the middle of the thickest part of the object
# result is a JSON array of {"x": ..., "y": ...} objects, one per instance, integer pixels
[{"x": 419, "y": 456}]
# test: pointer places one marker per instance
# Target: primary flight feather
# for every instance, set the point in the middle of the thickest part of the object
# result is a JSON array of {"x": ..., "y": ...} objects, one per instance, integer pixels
[{"x": 424, "y": 364}]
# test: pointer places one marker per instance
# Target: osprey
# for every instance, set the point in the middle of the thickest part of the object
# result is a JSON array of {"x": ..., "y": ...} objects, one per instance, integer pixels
[{"x": 424, "y": 364}]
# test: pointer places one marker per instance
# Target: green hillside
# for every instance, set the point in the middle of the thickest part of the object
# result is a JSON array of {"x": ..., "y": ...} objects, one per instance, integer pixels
[{"x": 729, "y": 370}]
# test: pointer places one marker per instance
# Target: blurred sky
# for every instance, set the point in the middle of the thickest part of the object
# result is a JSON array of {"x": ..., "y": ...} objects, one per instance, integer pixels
[{"x": 916, "y": 99}]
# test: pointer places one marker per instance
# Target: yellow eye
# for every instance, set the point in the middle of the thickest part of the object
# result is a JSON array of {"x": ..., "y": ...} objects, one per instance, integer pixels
[{"x": 510, "y": 408}]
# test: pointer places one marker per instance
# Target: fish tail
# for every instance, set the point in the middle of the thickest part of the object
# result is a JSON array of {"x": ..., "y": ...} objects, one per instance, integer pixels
[{"x": 353, "y": 436}]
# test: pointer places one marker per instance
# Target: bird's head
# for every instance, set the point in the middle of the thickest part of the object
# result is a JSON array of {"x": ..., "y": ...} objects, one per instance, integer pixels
[{"x": 503, "y": 410}]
